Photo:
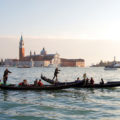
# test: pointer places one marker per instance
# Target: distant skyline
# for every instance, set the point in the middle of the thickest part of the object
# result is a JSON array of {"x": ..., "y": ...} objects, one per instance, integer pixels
[{"x": 87, "y": 29}]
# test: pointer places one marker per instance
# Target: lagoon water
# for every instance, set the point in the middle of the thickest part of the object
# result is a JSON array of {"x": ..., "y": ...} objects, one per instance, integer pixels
[{"x": 68, "y": 104}]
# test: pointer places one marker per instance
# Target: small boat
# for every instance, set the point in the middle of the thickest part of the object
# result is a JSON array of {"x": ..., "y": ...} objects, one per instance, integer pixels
[
  {"x": 23, "y": 67},
  {"x": 52, "y": 65},
  {"x": 81, "y": 83},
  {"x": 110, "y": 68},
  {"x": 32, "y": 87}
]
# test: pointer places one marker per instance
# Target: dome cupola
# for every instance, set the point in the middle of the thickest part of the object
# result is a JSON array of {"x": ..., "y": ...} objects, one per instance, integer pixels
[{"x": 43, "y": 52}]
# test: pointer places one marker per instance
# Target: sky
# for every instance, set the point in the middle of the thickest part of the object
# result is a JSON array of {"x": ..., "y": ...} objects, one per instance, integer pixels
[{"x": 88, "y": 29}]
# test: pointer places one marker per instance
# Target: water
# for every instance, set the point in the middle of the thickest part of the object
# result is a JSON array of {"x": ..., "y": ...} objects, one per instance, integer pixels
[{"x": 68, "y": 104}]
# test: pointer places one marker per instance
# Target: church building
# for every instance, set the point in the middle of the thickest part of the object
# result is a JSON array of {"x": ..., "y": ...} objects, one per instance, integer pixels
[
  {"x": 37, "y": 60},
  {"x": 42, "y": 59}
]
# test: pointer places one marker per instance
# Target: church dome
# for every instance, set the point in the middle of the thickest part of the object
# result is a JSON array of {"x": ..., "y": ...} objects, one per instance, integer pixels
[{"x": 43, "y": 52}]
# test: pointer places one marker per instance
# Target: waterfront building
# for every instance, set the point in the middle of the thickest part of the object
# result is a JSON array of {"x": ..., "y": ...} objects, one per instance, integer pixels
[
  {"x": 114, "y": 63},
  {"x": 43, "y": 59},
  {"x": 37, "y": 60},
  {"x": 11, "y": 62},
  {"x": 72, "y": 62},
  {"x": 2, "y": 63}
]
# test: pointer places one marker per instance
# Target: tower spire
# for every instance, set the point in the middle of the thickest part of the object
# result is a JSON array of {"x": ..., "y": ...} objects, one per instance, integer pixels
[
  {"x": 21, "y": 42},
  {"x": 30, "y": 53},
  {"x": 21, "y": 39},
  {"x": 21, "y": 48}
]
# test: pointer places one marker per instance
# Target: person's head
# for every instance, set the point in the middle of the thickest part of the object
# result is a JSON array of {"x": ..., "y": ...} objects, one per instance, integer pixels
[
  {"x": 78, "y": 78},
  {"x": 0, "y": 80},
  {"x": 25, "y": 81},
  {"x": 39, "y": 80},
  {"x": 87, "y": 79}
]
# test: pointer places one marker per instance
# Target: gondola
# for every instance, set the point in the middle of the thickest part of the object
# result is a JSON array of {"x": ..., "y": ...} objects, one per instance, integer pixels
[
  {"x": 82, "y": 85},
  {"x": 75, "y": 83},
  {"x": 32, "y": 87}
]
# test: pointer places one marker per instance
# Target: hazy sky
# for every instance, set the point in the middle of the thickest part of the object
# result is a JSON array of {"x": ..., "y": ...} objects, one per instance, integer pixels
[{"x": 88, "y": 29}]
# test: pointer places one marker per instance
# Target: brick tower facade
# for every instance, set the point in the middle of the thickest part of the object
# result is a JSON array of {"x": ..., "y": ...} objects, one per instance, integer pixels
[{"x": 21, "y": 49}]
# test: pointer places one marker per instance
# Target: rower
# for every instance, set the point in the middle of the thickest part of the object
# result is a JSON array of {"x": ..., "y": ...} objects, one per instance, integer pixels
[
  {"x": 84, "y": 79},
  {"x": 0, "y": 82},
  {"x": 91, "y": 81},
  {"x": 78, "y": 79},
  {"x": 87, "y": 81},
  {"x": 5, "y": 76},
  {"x": 36, "y": 82},
  {"x": 84, "y": 76},
  {"x": 24, "y": 83},
  {"x": 40, "y": 83},
  {"x": 102, "y": 82},
  {"x": 56, "y": 73}
]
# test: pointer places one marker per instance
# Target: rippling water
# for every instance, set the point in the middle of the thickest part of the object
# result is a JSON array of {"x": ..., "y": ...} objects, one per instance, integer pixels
[{"x": 68, "y": 104}]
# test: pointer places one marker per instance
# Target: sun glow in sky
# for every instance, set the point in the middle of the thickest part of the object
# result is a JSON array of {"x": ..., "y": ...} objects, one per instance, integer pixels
[{"x": 88, "y": 29}]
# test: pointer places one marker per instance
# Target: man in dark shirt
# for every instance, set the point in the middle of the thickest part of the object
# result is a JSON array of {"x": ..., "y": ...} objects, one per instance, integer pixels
[
  {"x": 56, "y": 73},
  {"x": 5, "y": 76}
]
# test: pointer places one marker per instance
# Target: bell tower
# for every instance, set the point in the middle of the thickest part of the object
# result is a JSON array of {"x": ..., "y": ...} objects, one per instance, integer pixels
[{"x": 21, "y": 49}]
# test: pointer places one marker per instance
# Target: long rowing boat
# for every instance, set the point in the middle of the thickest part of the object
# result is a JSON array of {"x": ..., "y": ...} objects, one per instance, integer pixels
[
  {"x": 32, "y": 87},
  {"x": 80, "y": 84}
]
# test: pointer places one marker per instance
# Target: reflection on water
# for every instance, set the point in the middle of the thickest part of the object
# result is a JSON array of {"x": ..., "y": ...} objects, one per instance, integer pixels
[
  {"x": 68, "y": 104},
  {"x": 5, "y": 95}
]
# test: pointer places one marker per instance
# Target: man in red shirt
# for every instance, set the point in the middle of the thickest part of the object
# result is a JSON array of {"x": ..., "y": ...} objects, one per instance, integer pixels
[
  {"x": 91, "y": 81},
  {"x": 40, "y": 83}
]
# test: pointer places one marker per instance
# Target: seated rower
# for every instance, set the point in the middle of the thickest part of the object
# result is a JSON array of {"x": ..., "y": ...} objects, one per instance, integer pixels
[
  {"x": 87, "y": 81},
  {"x": 24, "y": 83},
  {"x": 91, "y": 81},
  {"x": 40, "y": 83},
  {"x": 102, "y": 82},
  {"x": 36, "y": 82},
  {"x": 78, "y": 79},
  {"x": 0, "y": 82}
]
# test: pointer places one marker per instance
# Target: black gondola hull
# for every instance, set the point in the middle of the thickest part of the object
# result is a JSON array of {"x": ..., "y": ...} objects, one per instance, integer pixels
[
  {"x": 81, "y": 84},
  {"x": 44, "y": 87}
]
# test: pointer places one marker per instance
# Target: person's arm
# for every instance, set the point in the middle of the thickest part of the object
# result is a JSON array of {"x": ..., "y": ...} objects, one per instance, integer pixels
[{"x": 9, "y": 72}]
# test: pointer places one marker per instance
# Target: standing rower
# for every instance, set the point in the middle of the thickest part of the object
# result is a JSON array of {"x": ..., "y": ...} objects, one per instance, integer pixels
[
  {"x": 56, "y": 73},
  {"x": 5, "y": 76},
  {"x": 84, "y": 76}
]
